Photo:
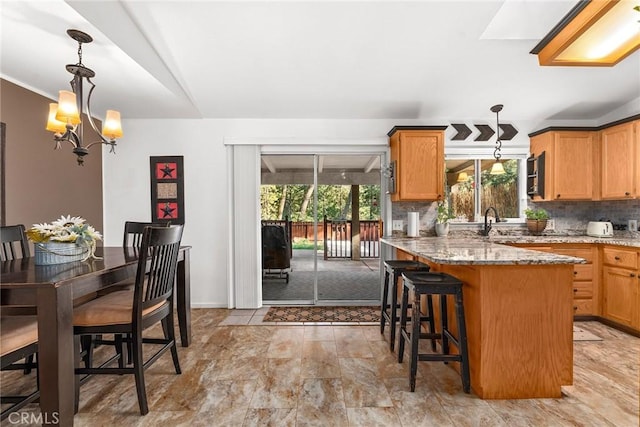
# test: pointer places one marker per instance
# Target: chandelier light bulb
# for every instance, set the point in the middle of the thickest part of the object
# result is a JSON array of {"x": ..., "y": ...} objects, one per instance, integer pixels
[
  {"x": 112, "y": 128},
  {"x": 54, "y": 125},
  {"x": 67, "y": 108}
]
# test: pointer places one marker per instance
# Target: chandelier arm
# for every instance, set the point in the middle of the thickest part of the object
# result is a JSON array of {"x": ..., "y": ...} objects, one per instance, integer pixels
[
  {"x": 106, "y": 142},
  {"x": 90, "y": 118},
  {"x": 69, "y": 136}
]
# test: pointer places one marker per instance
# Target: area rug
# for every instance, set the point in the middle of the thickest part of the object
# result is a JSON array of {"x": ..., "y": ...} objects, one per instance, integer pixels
[
  {"x": 580, "y": 334},
  {"x": 323, "y": 314}
]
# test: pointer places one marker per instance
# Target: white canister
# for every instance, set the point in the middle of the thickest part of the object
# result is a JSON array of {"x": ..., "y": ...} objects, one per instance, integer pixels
[{"x": 413, "y": 224}]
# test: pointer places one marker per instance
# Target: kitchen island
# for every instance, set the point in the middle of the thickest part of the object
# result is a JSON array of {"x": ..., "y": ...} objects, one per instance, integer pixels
[{"x": 518, "y": 310}]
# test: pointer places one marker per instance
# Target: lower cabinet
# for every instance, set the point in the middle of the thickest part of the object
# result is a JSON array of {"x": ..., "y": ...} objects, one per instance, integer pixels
[
  {"x": 621, "y": 286},
  {"x": 585, "y": 278}
]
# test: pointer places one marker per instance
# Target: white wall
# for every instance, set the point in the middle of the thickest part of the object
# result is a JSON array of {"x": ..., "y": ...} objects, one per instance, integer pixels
[{"x": 201, "y": 142}]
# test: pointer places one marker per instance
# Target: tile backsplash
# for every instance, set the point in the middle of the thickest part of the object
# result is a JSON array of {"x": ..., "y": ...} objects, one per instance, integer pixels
[
  {"x": 576, "y": 215},
  {"x": 569, "y": 217}
]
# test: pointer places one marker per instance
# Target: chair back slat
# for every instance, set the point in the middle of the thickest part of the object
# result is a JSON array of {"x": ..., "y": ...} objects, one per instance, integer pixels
[
  {"x": 155, "y": 276},
  {"x": 133, "y": 232},
  {"x": 13, "y": 242}
]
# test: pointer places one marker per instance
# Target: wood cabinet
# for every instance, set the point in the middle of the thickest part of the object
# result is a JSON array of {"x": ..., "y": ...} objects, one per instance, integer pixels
[
  {"x": 621, "y": 286},
  {"x": 585, "y": 276},
  {"x": 601, "y": 163},
  {"x": 568, "y": 164},
  {"x": 619, "y": 151},
  {"x": 418, "y": 153}
]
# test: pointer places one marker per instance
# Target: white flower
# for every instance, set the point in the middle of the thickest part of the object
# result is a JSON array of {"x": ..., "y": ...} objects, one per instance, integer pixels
[
  {"x": 71, "y": 229},
  {"x": 68, "y": 221}
]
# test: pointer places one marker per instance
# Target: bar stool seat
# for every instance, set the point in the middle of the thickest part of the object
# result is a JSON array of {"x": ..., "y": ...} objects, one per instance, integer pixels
[
  {"x": 415, "y": 285},
  {"x": 393, "y": 270}
]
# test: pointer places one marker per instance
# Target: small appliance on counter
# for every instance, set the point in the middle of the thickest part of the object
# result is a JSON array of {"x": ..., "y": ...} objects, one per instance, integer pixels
[{"x": 600, "y": 229}]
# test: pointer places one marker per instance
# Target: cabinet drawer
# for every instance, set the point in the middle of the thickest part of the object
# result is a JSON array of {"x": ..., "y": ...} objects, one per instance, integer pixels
[
  {"x": 585, "y": 253},
  {"x": 582, "y": 290},
  {"x": 583, "y": 272},
  {"x": 620, "y": 258},
  {"x": 582, "y": 307}
]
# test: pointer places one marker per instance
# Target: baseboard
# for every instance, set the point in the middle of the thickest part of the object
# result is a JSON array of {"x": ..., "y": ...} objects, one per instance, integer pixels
[
  {"x": 208, "y": 305},
  {"x": 624, "y": 328}
]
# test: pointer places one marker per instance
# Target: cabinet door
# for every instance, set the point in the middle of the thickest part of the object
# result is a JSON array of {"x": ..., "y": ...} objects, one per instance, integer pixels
[
  {"x": 620, "y": 295},
  {"x": 543, "y": 143},
  {"x": 618, "y": 162},
  {"x": 573, "y": 167},
  {"x": 421, "y": 165}
]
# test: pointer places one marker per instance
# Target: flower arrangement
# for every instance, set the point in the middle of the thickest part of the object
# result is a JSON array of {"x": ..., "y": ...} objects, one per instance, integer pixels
[{"x": 67, "y": 229}]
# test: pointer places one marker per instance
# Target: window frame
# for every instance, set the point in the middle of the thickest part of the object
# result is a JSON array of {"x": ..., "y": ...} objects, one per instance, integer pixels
[{"x": 486, "y": 153}]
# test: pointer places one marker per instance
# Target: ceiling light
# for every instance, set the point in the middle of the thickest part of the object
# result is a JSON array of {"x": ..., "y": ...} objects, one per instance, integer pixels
[
  {"x": 497, "y": 168},
  {"x": 462, "y": 177},
  {"x": 65, "y": 116},
  {"x": 593, "y": 33}
]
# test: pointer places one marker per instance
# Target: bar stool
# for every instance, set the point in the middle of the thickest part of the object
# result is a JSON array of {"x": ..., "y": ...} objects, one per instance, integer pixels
[
  {"x": 442, "y": 284},
  {"x": 395, "y": 268}
]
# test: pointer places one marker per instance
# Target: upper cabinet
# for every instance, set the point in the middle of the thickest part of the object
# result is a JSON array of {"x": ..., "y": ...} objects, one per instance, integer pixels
[
  {"x": 590, "y": 163},
  {"x": 418, "y": 155},
  {"x": 619, "y": 162},
  {"x": 568, "y": 158}
]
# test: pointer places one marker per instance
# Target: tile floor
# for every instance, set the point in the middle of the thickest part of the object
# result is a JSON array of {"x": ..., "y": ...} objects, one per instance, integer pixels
[{"x": 237, "y": 373}]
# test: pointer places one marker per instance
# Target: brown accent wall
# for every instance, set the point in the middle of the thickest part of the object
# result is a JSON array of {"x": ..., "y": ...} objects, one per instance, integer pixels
[{"x": 42, "y": 183}]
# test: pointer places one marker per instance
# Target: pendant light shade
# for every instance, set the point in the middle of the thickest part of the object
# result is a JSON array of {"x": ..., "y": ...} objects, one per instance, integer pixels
[{"x": 497, "y": 169}]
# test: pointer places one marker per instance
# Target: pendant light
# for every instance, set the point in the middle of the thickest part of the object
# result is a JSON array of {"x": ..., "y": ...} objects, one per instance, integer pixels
[{"x": 497, "y": 168}]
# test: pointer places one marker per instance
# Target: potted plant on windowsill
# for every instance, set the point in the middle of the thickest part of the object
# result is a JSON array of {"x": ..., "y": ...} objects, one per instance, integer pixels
[
  {"x": 442, "y": 219},
  {"x": 536, "y": 220}
]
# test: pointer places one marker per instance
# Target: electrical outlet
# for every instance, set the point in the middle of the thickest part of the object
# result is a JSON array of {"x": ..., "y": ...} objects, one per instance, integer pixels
[
  {"x": 551, "y": 224},
  {"x": 633, "y": 225},
  {"x": 397, "y": 225}
]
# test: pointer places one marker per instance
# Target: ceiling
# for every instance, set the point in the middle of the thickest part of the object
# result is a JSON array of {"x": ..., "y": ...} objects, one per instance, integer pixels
[{"x": 415, "y": 60}]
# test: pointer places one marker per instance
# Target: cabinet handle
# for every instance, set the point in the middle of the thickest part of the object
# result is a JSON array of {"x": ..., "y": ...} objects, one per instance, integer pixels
[
  {"x": 632, "y": 275},
  {"x": 575, "y": 272},
  {"x": 575, "y": 307},
  {"x": 626, "y": 193},
  {"x": 575, "y": 290},
  {"x": 558, "y": 196},
  {"x": 617, "y": 258}
]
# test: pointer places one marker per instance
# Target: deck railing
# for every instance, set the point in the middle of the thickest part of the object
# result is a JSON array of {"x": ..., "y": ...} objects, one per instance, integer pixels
[{"x": 336, "y": 235}]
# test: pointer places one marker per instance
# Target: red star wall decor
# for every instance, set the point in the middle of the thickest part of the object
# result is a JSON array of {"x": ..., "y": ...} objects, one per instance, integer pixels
[{"x": 167, "y": 189}]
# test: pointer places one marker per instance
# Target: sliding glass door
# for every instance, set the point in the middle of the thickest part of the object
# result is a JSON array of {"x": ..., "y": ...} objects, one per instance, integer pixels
[{"x": 327, "y": 207}]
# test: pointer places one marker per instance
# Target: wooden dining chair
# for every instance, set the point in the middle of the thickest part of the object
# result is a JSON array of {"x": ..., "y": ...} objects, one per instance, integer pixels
[
  {"x": 126, "y": 314},
  {"x": 14, "y": 243},
  {"x": 18, "y": 340},
  {"x": 133, "y": 232}
]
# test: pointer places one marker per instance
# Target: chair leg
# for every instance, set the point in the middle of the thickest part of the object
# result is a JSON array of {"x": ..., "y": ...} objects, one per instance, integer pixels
[
  {"x": 138, "y": 370},
  {"x": 415, "y": 336},
  {"x": 385, "y": 298},
  {"x": 403, "y": 322},
  {"x": 28, "y": 362},
  {"x": 117, "y": 338},
  {"x": 86, "y": 347},
  {"x": 169, "y": 333},
  {"x": 462, "y": 338},
  {"x": 444, "y": 321},
  {"x": 432, "y": 326},
  {"x": 394, "y": 314}
]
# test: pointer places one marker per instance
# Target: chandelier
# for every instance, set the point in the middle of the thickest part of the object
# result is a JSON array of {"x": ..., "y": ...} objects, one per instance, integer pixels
[
  {"x": 497, "y": 168},
  {"x": 64, "y": 117}
]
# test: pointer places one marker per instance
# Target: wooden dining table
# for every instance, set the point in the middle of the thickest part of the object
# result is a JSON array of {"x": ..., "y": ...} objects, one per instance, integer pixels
[{"x": 52, "y": 289}]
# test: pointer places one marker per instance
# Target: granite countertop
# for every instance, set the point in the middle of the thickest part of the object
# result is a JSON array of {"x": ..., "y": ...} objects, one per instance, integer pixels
[
  {"x": 615, "y": 240},
  {"x": 444, "y": 250}
]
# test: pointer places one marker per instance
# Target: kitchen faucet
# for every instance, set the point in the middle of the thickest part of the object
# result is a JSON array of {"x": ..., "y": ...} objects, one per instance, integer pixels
[{"x": 487, "y": 225}]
